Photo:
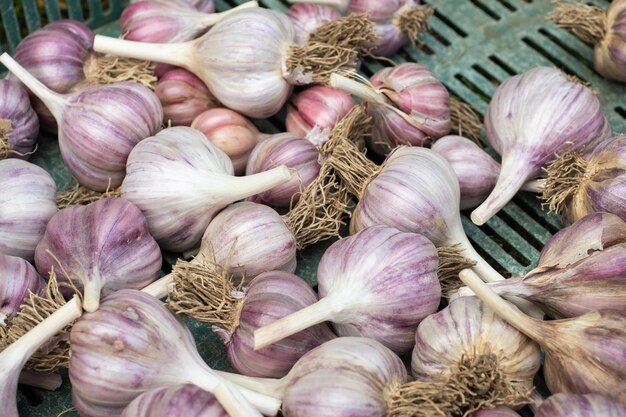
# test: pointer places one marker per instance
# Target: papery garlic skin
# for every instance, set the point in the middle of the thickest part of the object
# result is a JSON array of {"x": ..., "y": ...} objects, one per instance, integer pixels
[
  {"x": 306, "y": 17},
  {"x": 27, "y": 202},
  {"x": 423, "y": 104},
  {"x": 231, "y": 132},
  {"x": 177, "y": 401},
  {"x": 269, "y": 297},
  {"x": 319, "y": 106},
  {"x": 180, "y": 181},
  {"x": 475, "y": 169},
  {"x": 609, "y": 55},
  {"x": 360, "y": 368},
  {"x": 572, "y": 405},
  {"x": 468, "y": 328},
  {"x": 104, "y": 247},
  {"x": 532, "y": 117},
  {"x": 17, "y": 279},
  {"x": 206, "y": 6},
  {"x": 250, "y": 239},
  {"x": 296, "y": 153},
  {"x": 183, "y": 96},
  {"x": 19, "y": 126},
  {"x": 380, "y": 283},
  {"x": 500, "y": 411}
]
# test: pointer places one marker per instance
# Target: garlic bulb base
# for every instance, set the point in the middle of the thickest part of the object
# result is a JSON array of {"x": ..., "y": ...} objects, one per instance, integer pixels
[
  {"x": 354, "y": 31},
  {"x": 315, "y": 62},
  {"x": 585, "y": 21},
  {"x": 81, "y": 195},
  {"x": 566, "y": 175},
  {"x": 105, "y": 69},
  {"x": 412, "y": 19},
  {"x": 465, "y": 121}
]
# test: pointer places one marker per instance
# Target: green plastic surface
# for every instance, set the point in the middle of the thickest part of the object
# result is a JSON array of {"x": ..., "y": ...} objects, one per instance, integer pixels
[{"x": 473, "y": 46}]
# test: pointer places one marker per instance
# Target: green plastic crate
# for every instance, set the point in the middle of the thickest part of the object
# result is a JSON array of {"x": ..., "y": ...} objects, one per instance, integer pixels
[{"x": 473, "y": 46}]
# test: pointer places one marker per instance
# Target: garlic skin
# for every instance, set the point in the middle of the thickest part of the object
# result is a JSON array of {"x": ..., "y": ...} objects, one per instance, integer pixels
[
  {"x": 531, "y": 117},
  {"x": 17, "y": 278},
  {"x": 319, "y": 106},
  {"x": 235, "y": 135},
  {"x": 306, "y": 17},
  {"x": 475, "y": 169},
  {"x": 500, "y": 411},
  {"x": 573, "y": 405},
  {"x": 19, "y": 126},
  {"x": 609, "y": 56},
  {"x": 251, "y": 239},
  {"x": 294, "y": 152},
  {"x": 180, "y": 181},
  {"x": 27, "y": 202},
  {"x": 206, "y": 6},
  {"x": 177, "y": 401},
  {"x": 183, "y": 97},
  {"x": 104, "y": 247},
  {"x": 467, "y": 328},
  {"x": 271, "y": 296}
]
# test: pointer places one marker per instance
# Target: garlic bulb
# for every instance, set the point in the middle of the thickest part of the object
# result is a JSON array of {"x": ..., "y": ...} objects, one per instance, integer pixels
[
  {"x": 14, "y": 357},
  {"x": 17, "y": 279},
  {"x": 475, "y": 169},
  {"x": 19, "y": 126},
  {"x": 98, "y": 126},
  {"x": 144, "y": 346},
  {"x": 409, "y": 106},
  {"x": 581, "y": 269},
  {"x": 530, "y": 118},
  {"x": 101, "y": 248},
  {"x": 257, "y": 43},
  {"x": 292, "y": 151},
  {"x": 483, "y": 356},
  {"x": 573, "y": 405},
  {"x": 183, "y": 97},
  {"x": 379, "y": 283},
  {"x": 319, "y": 106},
  {"x": 180, "y": 401},
  {"x": 306, "y": 17},
  {"x": 579, "y": 184},
  {"x": 582, "y": 355},
  {"x": 206, "y": 6},
  {"x": 231, "y": 132},
  {"x": 27, "y": 202},
  {"x": 180, "y": 181},
  {"x": 604, "y": 29},
  {"x": 499, "y": 411}
]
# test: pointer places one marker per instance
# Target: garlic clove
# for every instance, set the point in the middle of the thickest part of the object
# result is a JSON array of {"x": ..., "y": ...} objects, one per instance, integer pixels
[
  {"x": 17, "y": 279},
  {"x": 178, "y": 401},
  {"x": 19, "y": 126}
]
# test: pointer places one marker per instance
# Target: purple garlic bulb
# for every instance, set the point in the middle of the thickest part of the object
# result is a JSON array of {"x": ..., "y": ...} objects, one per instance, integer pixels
[
  {"x": 99, "y": 248},
  {"x": 468, "y": 337},
  {"x": 292, "y": 151},
  {"x": 531, "y": 117},
  {"x": 573, "y": 405},
  {"x": 306, "y": 17},
  {"x": 180, "y": 180},
  {"x": 251, "y": 239},
  {"x": 475, "y": 169},
  {"x": 272, "y": 296},
  {"x": 56, "y": 53},
  {"x": 17, "y": 278},
  {"x": 579, "y": 184},
  {"x": 144, "y": 346},
  {"x": 178, "y": 401},
  {"x": 27, "y": 202},
  {"x": 395, "y": 272},
  {"x": 206, "y": 6},
  {"x": 319, "y": 106},
  {"x": 409, "y": 106},
  {"x": 581, "y": 269},
  {"x": 19, "y": 126},
  {"x": 183, "y": 97},
  {"x": 500, "y": 411},
  {"x": 98, "y": 126}
]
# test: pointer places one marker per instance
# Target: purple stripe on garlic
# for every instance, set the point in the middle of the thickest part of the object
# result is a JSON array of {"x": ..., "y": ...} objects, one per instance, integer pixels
[
  {"x": 19, "y": 126},
  {"x": 27, "y": 202},
  {"x": 572, "y": 405},
  {"x": 99, "y": 248},
  {"x": 178, "y": 401},
  {"x": 17, "y": 279},
  {"x": 180, "y": 181},
  {"x": 206, "y": 6}
]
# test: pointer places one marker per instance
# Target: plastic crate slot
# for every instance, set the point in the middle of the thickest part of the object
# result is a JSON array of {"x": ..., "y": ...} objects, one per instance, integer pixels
[
  {"x": 486, "y": 10},
  {"x": 511, "y": 242},
  {"x": 507, "y": 5},
  {"x": 450, "y": 24},
  {"x": 485, "y": 74},
  {"x": 547, "y": 55},
  {"x": 484, "y": 96},
  {"x": 525, "y": 226},
  {"x": 583, "y": 58},
  {"x": 32, "y": 396},
  {"x": 503, "y": 65},
  {"x": 439, "y": 37},
  {"x": 621, "y": 111},
  {"x": 530, "y": 203}
]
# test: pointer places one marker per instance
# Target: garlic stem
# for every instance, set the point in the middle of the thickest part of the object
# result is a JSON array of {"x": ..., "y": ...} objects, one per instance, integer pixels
[
  {"x": 18, "y": 352},
  {"x": 179, "y": 54},
  {"x": 233, "y": 402},
  {"x": 43, "y": 380},
  {"x": 267, "y": 386},
  {"x": 357, "y": 88},
  {"x": 534, "y": 186},
  {"x": 319, "y": 312},
  {"x": 523, "y": 323},
  {"x": 91, "y": 295},
  {"x": 54, "y": 102},
  {"x": 161, "y": 287},
  {"x": 237, "y": 188},
  {"x": 212, "y": 18}
]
